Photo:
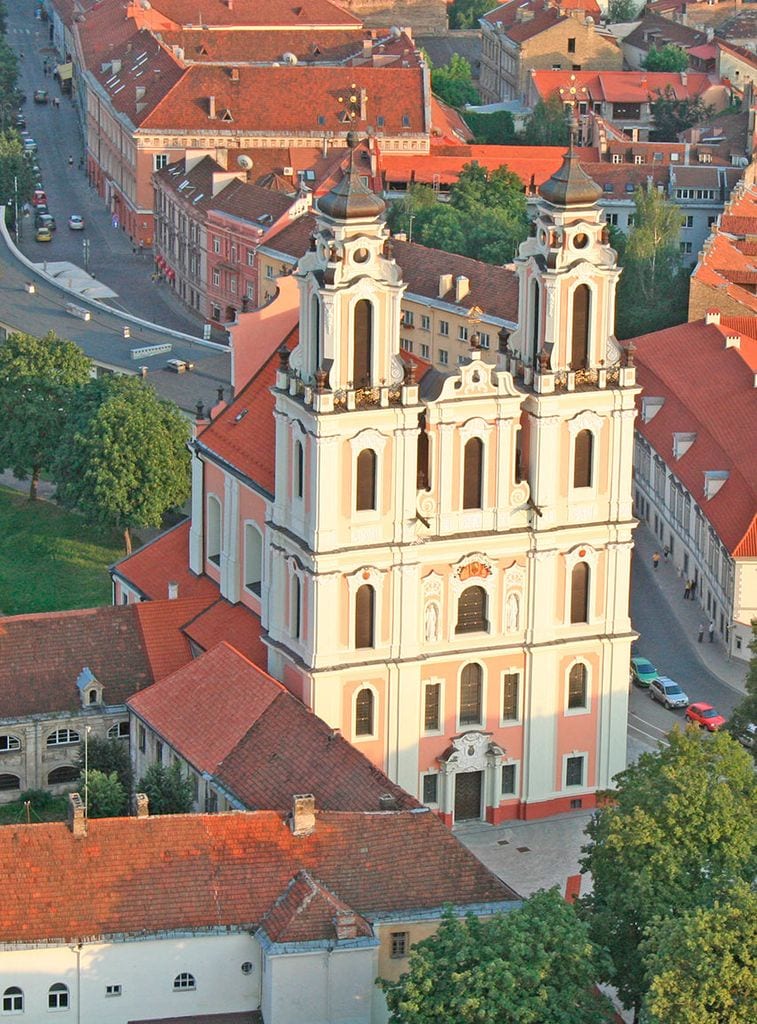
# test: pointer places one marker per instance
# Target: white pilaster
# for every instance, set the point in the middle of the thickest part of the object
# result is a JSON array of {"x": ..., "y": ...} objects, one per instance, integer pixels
[{"x": 196, "y": 530}]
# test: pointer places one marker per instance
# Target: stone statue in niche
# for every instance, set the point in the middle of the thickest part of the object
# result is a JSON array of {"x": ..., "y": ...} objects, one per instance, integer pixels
[
  {"x": 431, "y": 622},
  {"x": 513, "y": 613}
]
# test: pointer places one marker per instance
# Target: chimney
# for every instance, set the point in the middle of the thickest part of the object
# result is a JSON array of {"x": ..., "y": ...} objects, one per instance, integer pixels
[
  {"x": 211, "y": 107},
  {"x": 462, "y": 287},
  {"x": 142, "y": 805},
  {"x": 235, "y": 74},
  {"x": 733, "y": 341},
  {"x": 712, "y": 316},
  {"x": 77, "y": 822},
  {"x": 303, "y": 814},
  {"x": 387, "y": 802},
  {"x": 445, "y": 283},
  {"x": 173, "y": 591},
  {"x": 345, "y": 924}
]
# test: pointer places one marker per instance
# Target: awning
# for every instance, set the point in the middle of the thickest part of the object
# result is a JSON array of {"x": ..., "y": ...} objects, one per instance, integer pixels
[{"x": 65, "y": 71}]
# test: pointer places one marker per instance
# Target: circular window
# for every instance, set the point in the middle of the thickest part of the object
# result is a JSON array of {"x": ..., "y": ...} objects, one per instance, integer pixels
[
  {"x": 247, "y": 967},
  {"x": 361, "y": 255},
  {"x": 581, "y": 240}
]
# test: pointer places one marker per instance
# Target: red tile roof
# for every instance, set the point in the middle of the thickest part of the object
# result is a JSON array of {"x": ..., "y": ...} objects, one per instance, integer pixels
[
  {"x": 166, "y": 645},
  {"x": 231, "y": 622},
  {"x": 272, "y": 13},
  {"x": 727, "y": 263},
  {"x": 221, "y": 689},
  {"x": 132, "y": 876},
  {"x": 620, "y": 86},
  {"x": 691, "y": 368},
  {"x": 542, "y": 21},
  {"x": 447, "y": 125},
  {"x": 307, "y": 910},
  {"x": 164, "y": 560}
]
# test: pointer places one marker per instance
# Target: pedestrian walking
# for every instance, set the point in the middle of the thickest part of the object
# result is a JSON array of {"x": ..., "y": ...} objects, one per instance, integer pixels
[
  {"x": 692, "y": 590},
  {"x": 70, "y": 161},
  {"x": 656, "y": 559},
  {"x": 686, "y": 590},
  {"x": 711, "y": 629},
  {"x": 700, "y": 636},
  {"x": 666, "y": 552}
]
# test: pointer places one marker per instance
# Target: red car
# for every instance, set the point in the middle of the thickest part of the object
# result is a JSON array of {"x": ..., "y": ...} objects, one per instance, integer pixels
[
  {"x": 705, "y": 716},
  {"x": 39, "y": 198}
]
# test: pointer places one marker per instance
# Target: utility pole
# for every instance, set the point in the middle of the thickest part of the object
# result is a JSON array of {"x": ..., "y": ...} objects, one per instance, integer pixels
[
  {"x": 15, "y": 205},
  {"x": 85, "y": 247}
]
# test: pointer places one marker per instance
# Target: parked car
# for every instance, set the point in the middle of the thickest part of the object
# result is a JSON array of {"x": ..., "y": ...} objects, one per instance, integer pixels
[
  {"x": 20, "y": 121},
  {"x": 748, "y": 736},
  {"x": 642, "y": 672},
  {"x": 39, "y": 198},
  {"x": 45, "y": 220},
  {"x": 705, "y": 716},
  {"x": 75, "y": 222},
  {"x": 40, "y": 96},
  {"x": 668, "y": 693},
  {"x": 39, "y": 213},
  {"x": 44, "y": 234},
  {"x": 30, "y": 146}
]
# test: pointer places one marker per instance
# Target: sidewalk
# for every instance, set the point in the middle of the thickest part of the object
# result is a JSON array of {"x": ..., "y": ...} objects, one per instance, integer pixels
[{"x": 731, "y": 671}]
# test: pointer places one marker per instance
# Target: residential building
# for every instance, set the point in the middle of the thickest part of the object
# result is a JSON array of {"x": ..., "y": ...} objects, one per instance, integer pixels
[
  {"x": 519, "y": 37},
  {"x": 695, "y": 475},
  {"x": 245, "y": 917},
  {"x": 725, "y": 275},
  {"x": 440, "y": 563},
  {"x": 653, "y": 32},
  {"x": 738, "y": 64}
]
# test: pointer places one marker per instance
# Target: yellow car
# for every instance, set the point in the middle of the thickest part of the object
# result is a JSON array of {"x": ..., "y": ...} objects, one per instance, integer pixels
[{"x": 44, "y": 234}]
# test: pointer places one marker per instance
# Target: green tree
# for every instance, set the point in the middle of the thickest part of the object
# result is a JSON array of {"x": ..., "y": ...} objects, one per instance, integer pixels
[
  {"x": 672, "y": 116},
  {"x": 168, "y": 791},
  {"x": 532, "y": 964},
  {"x": 418, "y": 198},
  {"x": 668, "y": 58},
  {"x": 546, "y": 125},
  {"x": 106, "y": 796},
  {"x": 623, "y": 10},
  {"x": 497, "y": 129},
  {"x": 702, "y": 964},
  {"x": 16, "y": 177},
  {"x": 746, "y": 710},
  {"x": 453, "y": 82},
  {"x": 107, "y": 756},
  {"x": 122, "y": 458},
  {"x": 653, "y": 288},
  {"x": 38, "y": 380},
  {"x": 465, "y": 13},
  {"x": 8, "y": 73},
  {"x": 677, "y": 832}
]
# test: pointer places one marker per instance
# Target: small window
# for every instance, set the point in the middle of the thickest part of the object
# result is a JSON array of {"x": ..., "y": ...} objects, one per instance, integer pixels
[
  {"x": 579, "y": 593},
  {"x": 62, "y": 736},
  {"x": 57, "y": 997},
  {"x": 510, "y": 697},
  {"x": 9, "y": 743},
  {"x": 471, "y": 611},
  {"x": 408, "y": 318},
  {"x": 364, "y": 713},
  {"x": 142, "y": 739},
  {"x": 425, "y": 352},
  {"x": 444, "y": 328},
  {"x": 423, "y": 455},
  {"x": 425, "y": 322},
  {"x": 405, "y": 120},
  {"x": 571, "y": 44},
  {"x": 462, "y": 333},
  {"x": 214, "y": 530},
  {"x": 112, "y": 990},
  {"x": 216, "y": 278},
  {"x": 582, "y": 462},
  {"x": 296, "y": 611},
  {"x": 184, "y": 982},
  {"x": 216, "y": 245},
  {"x": 508, "y": 780},
  {"x": 160, "y": 160},
  {"x": 159, "y": 751},
  {"x": 380, "y": 121},
  {"x": 431, "y": 707},
  {"x": 299, "y": 469},
  {"x": 92, "y": 697},
  {"x": 400, "y": 943},
  {"x": 431, "y": 789},
  {"x": 13, "y": 1000},
  {"x": 443, "y": 356},
  {"x": 471, "y": 689},
  {"x": 119, "y": 731},
  {"x": 253, "y": 559},
  {"x": 577, "y": 688},
  {"x": 365, "y": 601},
  {"x": 365, "y": 499},
  {"x": 574, "y": 771},
  {"x": 473, "y": 464}
]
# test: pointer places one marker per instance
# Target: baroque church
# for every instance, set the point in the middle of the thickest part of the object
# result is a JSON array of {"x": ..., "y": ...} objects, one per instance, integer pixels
[{"x": 435, "y": 561}]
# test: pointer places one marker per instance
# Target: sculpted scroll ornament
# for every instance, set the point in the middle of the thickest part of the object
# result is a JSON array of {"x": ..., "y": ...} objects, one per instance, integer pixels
[{"x": 473, "y": 752}]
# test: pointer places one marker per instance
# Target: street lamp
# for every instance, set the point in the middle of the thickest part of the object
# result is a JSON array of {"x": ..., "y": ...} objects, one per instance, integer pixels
[
  {"x": 15, "y": 206},
  {"x": 85, "y": 248}
]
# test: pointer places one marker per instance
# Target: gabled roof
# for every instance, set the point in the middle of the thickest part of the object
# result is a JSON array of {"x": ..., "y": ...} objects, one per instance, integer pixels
[
  {"x": 232, "y": 622},
  {"x": 655, "y": 31},
  {"x": 164, "y": 560},
  {"x": 138, "y": 876},
  {"x": 307, "y": 910},
  {"x": 254, "y": 14},
  {"x": 619, "y": 86}
]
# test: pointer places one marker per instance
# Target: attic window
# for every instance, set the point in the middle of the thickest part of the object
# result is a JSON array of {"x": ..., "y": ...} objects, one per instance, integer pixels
[
  {"x": 226, "y": 115},
  {"x": 405, "y": 120},
  {"x": 650, "y": 407},
  {"x": 380, "y": 121},
  {"x": 609, "y": 187},
  {"x": 681, "y": 443},
  {"x": 321, "y": 119},
  {"x": 713, "y": 481}
]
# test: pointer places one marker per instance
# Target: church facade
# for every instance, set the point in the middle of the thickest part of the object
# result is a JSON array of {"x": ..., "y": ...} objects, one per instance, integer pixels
[{"x": 437, "y": 563}]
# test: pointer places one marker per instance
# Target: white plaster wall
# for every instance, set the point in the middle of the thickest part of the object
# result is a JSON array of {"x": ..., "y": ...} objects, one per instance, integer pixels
[
  {"x": 323, "y": 987},
  {"x": 145, "y": 971}
]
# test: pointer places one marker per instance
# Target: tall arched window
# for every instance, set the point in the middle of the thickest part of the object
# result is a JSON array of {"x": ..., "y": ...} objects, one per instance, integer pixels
[
  {"x": 299, "y": 469},
  {"x": 473, "y": 477},
  {"x": 364, "y": 710},
  {"x": 583, "y": 451},
  {"x": 423, "y": 470},
  {"x": 214, "y": 529},
  {"x": 253, "y": 558},
  {"x": 296, "y": 613},
  {"x": 362, "y": 350},
  {"x": 536, "y": 313},
  {"x": 315, "y": 320},
  {"x": 365, "y": 607},
  {"x": 8, "y": 782},
  {"x": 471, "y": 690},
  {"x": 579, "y": 593},
  {"x": 471, "y": 611},
  {"x": 579, "y": 351},
  {"x": 577, "y": 689},
  {"x": 65, "y": 773},
  {"x": 365, "y": 487}
]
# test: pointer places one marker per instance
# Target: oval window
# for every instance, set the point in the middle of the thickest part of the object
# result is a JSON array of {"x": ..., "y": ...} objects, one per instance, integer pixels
[
  {"x": 361, "y": 256},
  {"x": 581, "y": 240}
]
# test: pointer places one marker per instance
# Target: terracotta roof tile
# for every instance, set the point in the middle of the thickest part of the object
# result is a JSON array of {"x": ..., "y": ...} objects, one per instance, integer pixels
[
  {"x": 665, "y": 31},
  {"x": 165, "y": 560},
  {"x": 274, "y": 13},
  {"x": 232, "y": 622},
  {"x": 307, "y": 910},
  {"x": 132, "y": 876},
  {"x": 621, "y": 86},
  {"x": 166, "y": 645}
]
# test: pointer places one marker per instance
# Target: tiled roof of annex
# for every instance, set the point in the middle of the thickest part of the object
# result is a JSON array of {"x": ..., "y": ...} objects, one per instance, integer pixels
[
  {"x": 655, "y": 31},
  {"x": 698, "y": 375},
  {"x": 165, "y": 559},
  {"x": 252, "y": 14},
  {"x": 510, "y": 14},
  {"x": 307, "y": 908},
  {"x": 728, "y": 262},
  {"x": 621, "y": 86},
  {"x": 235, "y": 623},
  {"x": 126, "y": 647},
  {"x": 138, "y": 876}
]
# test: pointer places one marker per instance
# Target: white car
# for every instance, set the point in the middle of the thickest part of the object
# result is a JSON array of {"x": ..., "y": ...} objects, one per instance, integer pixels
[
  {"x": 668, "y": 693},
  {"x": 75, "y": 222}
]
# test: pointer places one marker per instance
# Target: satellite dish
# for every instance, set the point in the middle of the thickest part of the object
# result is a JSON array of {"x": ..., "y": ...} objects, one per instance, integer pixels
[
  {"x": 244, "y": 161},
  {"x": 289, "y": 58},
  {"x": 395, "y": 32}
]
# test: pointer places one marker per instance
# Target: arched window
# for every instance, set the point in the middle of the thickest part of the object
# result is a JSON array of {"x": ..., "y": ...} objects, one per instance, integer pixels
[
  {"x": 61, "y": 736},
  {"x": 471, "y": 689},
  {"x": 119, "y": 731},
  {"x": 473, "y": 464},
  {"x": 364, "y": 709},
  {"x": 214, "y": 530},
  {"x": 365, "y": 498},
  {"x": 8, "y": 742},
  {"x": 299, "y": 469},
  {"x": 184, "y": 982},
  {"x": 296, "y": 613},
  {"x": 579, "y": 350},
  {"x": 253, "y": 558},
  {"x": 362, "y": 351},
  {"x": 577, "y": 689},
  {"x": 8, "y": 782},
  {"x": 13, "y": 1000},
  {"x": 582, "y": 458},
  {"x": 57, "y": 997},
  {"x": 365, "y": 606},
  {"x": 92, "y": 696},
  {"x": 315, "y": 320},
  {"x": 471, "y": 611},
  {"x": 536, "y": 313},
  {"x": 579, "y": 593},
  {"x": 66, "y": 773},
  {"x": 423, "y": 471}
]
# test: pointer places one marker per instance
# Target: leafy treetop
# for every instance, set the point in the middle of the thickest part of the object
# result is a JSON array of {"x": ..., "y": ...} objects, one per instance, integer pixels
[
  {"x": 667, "y": 58},
  {"x": 453, "y": 82},
  {"x": 547, "y": 125},
  {"x": 746, "y": 710},
  {"x": 672, "y": 116},
  {"x": 465, "y": 13},
  {"x": 168, "y": 790}
]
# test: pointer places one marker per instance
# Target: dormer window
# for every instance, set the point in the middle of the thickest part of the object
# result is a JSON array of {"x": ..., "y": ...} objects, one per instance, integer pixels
[{"x": 90, "y": 690}]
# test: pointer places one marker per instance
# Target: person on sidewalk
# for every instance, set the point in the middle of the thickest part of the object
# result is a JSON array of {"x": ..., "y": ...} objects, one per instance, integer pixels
[
  {"x": 687, "y": 590},
  {"x": 656, "y": 559},
  {"x": 711, "y": 629},
  {"x": 666, "y": 552},
  {"x": 700, "y": 635}
]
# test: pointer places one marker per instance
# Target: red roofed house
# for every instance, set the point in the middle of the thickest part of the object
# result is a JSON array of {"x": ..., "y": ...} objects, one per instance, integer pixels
[
  {"x": 695, "y": 474},
  {"x": 237, "y": 918},
  {"x": 430, "y": 549},
  {"x": 725, "y": 277},
  {"x": 517, "y": 37}
]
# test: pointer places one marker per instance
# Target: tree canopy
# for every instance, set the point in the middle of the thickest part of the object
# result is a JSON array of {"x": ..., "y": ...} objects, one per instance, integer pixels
[
  {"x": 38, "y": 380},
  {"x": 746, "y": 710},
  {"x": 465, "y": 13},
  {"x": 168, "y": 790},
  {"x": 675, "y": 835},
  {"x": 529, "y": 965},
  {"x": 122, "y": 458},
  {"x": 546, "y": 125},
  {"x": 497, "y": 129},
  {"x": 667, "y": 58},
  {"x": 16, "y": 177},
  {"x": 623, "y": 10},
  {"x": 107, "y": 756},
  {"x": 106, "y": 796},
  {"x": 453, "y": 82},
  {"x": 672, "y": 116}
]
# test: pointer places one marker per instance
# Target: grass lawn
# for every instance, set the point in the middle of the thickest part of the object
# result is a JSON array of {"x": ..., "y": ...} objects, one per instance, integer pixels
[
  {"x": 53, "y": 808},
  {"x": 51, "y": 559}
]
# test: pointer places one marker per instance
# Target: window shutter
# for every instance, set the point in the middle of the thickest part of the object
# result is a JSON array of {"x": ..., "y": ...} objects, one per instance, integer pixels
[
  {"x": 472, "y": 473},
  {"x": 579, "y": 352},
  {"x": 583, "y": 458},
  {"x": 363, "y": 344},
  {"x": 366, "y": 480},
  {"x": 471, "y": 611},
  {"x": 364, "y": 614},
  {"x": 579, "y": 593},
  {"x": 471, "y": 680}
]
